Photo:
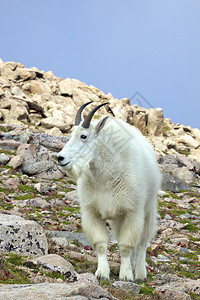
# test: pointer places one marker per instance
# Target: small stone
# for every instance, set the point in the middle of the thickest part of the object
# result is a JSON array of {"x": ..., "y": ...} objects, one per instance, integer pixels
[
  {"x": 162, "y": 258},
  {"x": 127, "y": 286},
  {"x": 15, "y": 181},
  {"x": 168, "y": 217},
  {"x": 55, "y": 131},
  {"x": 16, "y": 161},
  {"x": 88, "y": 277},
  {"x": 183, "y": 241},
  {"x": 17, "y": 91},
  {"x": 2, "y": 195},
  {"x": 4, "y": 158},
  {"x": 167, "y": 232},
  {"x": 37, "y": 202},
  {"x": 78, "y": 216},
  {"x": 183, "y": 259},
  {"x": 184, "y": 250},
  {"x": 164, "y": 224}
]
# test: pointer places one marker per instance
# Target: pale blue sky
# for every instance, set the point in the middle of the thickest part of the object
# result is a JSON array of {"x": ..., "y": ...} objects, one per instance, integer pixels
[{"x": 122, "y": 47}]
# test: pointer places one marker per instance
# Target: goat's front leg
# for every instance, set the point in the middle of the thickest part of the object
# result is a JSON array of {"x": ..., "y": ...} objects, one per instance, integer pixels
[
  {"x": 96, "y": 231},
  {"x": 103, "y": 270}
]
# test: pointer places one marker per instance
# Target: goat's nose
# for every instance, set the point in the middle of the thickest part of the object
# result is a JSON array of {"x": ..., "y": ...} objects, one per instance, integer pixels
[{"x": 60, "y": 158}]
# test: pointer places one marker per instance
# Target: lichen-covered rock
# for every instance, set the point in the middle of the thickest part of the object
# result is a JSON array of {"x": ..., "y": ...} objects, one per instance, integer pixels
[
  {"x": 56, "y": 262},
  {"x": 22, "y": 236},
  {"x": 127, "y": 286}
]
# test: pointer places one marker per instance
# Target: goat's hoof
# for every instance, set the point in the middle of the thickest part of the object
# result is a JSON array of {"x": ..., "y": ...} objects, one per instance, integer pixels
[
  {"x": 139, "y": 280},
  {"x": 126, "y": 277},
  {"x": 104, "y": 279},
  {"x": 102, "y": 275}
]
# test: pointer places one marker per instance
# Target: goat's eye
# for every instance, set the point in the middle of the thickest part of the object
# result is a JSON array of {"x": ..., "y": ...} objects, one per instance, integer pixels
[{"x": 83, "y": 137}]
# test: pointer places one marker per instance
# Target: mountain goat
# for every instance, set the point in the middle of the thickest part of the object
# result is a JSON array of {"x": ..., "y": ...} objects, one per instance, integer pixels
[{"x": 117, "y": 181}]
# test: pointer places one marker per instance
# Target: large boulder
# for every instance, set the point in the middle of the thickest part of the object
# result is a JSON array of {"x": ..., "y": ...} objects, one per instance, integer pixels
[
  {"x": 51, "y": 291},
  {"x": 37, "y": 161},
  {"x": 189, "y": 141},
  {"x": 155, "y": 121},
  {"x": 181, "y": 167},
  {"x": 22, "y": 236},
  {"x": 173, "y": 184}
]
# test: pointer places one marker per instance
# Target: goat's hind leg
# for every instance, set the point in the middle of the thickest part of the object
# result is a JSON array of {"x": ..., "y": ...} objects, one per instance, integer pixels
[
  {"x": 129, "y": 237},
  {"x": 126, "y": 272},
  {"x": 147, "y": 235}
]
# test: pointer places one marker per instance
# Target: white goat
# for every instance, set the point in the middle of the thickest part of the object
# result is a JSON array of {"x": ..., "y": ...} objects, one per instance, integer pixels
[{"x": 117, "y": 180}]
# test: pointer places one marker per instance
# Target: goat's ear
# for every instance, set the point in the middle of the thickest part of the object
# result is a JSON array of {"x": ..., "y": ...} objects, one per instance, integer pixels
[{"x": 101, "y": 124}]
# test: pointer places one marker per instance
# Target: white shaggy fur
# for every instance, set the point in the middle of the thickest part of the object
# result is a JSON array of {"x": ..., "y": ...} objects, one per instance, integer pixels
[{"x": 117, "y": 180}]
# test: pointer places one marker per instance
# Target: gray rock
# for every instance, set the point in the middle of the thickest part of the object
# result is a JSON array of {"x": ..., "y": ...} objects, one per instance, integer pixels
[
  {"x": 74, "y": 236},
  {"x": 16, "y": 161},
  {"x": 35, "y": 167},
  {"x": 37, "y": 160},
  {"x": 162, "y": 258},
  {"x": 56, "y": 262},
  {"x": 55, "y": 143},
  {"x": 173, "y": 184},
  {"x": 184, "y": 250},
  {"x": 180, "y": 166},
  {"x": 183, "y": 259},
  {"x": 22, "y": 236},
  {"x": 4, "y": 158},
  {"x": 37, "y": 202},
  {"x": 127, "y": 286},
  {"x": 169, "y": 294},
  {"x": 164, "y": 224},
  {"x": 53, "y": 173},
  {"x": 73, "y": 197},
  {"x": 53, "y": 291}
]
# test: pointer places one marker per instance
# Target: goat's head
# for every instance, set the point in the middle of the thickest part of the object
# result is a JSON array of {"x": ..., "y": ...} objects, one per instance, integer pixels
[{"x": 78, "y": 153}]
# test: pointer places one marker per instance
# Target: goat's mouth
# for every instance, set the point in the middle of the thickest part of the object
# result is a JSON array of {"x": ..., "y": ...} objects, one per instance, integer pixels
[{"x": 63, "y": 165}]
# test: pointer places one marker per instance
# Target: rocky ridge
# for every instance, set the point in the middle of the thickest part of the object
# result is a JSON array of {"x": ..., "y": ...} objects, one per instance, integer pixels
[{"x": 37, "y": 110}]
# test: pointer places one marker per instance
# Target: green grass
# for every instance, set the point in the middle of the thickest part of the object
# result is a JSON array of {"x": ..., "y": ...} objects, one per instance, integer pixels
[
  {"x": 6, "y": 191},
  {"x": 24, "y": 197},
  {"x": 54, "y": 274},
  {"x": 9, "y": 273},
  {"x": 146, "y": 290},
  {"x": 193, "y": 296},
  {"x": 71, "y": 182},
  {"x": 26, "y": 188},
  {"x": 15, "y": 259},
  {"x": 191, "y": 227}
]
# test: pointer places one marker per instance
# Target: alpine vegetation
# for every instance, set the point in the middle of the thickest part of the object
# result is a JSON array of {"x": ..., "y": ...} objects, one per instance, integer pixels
[{"x": 117, "y": 181}]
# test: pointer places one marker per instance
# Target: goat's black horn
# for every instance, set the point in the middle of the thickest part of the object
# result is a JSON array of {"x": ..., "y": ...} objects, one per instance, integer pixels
[
  {"x": 79, "y": 112},
  {"x": 86, "y": 122}
]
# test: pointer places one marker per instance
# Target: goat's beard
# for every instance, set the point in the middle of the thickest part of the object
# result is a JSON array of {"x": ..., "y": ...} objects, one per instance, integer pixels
[{"x": 77, "y": 169}]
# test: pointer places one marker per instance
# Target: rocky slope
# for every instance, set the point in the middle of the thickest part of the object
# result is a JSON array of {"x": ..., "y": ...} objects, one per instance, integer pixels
[{"x": 37, "y": 110}]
